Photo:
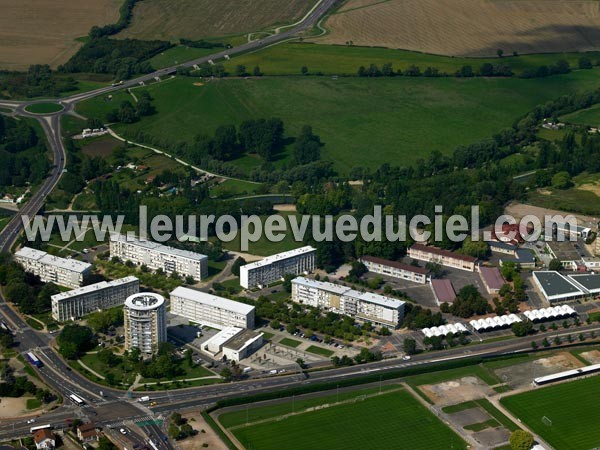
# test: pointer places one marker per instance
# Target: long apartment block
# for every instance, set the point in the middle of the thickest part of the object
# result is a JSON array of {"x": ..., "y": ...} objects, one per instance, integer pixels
[
  {"x": 273, "y": 268},
  {"x": 53, "y": 269},
  {"x": 443, "y": 257},
  {"x": 363, "y": 306},
  {"x": 157, "y": 256},
  {"x": 82, "y": 301}
]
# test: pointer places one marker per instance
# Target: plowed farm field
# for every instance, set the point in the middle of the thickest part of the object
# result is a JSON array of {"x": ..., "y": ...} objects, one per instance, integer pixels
[{"x": 468, "y": 27}]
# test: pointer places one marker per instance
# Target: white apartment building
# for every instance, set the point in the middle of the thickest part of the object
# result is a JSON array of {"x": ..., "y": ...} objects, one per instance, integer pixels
[
  {"x": 395, "y": 269},
  {"x": 211, "y": 310},
  {"x": 235, "y": 343},
  {"x": 363, "y": 306},
  {"x": 53, "y": 269},
  {"x": 443, "y": 257},
  {"x": 157, "y": 256},
  {"x": 273, "y": 268},
  {"x": 145, "y": 322},
  {"x": 82, "y": 301}
]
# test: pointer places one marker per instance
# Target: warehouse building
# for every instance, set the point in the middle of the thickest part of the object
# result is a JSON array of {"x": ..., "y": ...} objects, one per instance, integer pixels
[
  {"x": 211, "y": 310},
  {"x": 52, "y": 269},
  {"x": 588, "y": 282},
  {"x": 145, "y": 322},
  {"x": 443, "y": 291},
  {"x": 524, "y": 258},
  {"x": 82, "y": 301},
  {"x": 556, "y": 287},
  {"x": 443, "y": 257},
  {"x": 234, "y": 343},
  {"x": 363, "y": 306},
  {"x": 157, "y": 256},
  {"x": 395, "y": 269},
  {"x": 492, "y": 279},
  {"x": 273, "y": 268}
]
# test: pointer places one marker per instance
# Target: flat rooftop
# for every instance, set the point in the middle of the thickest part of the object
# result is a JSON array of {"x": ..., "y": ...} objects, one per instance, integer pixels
[
  {"x": 323, "y": 285},
  {"x": 157, "y": 247},
  {"x": 93, "y": 288},
  {"x": 375, "y": 299},
  {"x": 211, "y": 300},
  {"x": 591, "y": 282},
  {"x": 42, "y": 257},
  {"x": 556, "y": 284},
  {"x": 564, "y": 251},
  {"x": 442, "y": 252},
  {"x": 240, "y": 340},
  {"x": 144, "y": 301},
  {"x": 279, "y": 257}
]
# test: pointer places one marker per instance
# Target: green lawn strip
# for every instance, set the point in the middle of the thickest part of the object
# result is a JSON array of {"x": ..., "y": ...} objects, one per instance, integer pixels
[
  {"x": 179, "y": 384},
  {"x": 375, "y": 422},
  {"x": 33, "y": 403},
  {"x": 319, "y": 351},
  {"x": 290, "y": 342},
  {"x": 299, "y": 405},
  {"x": 44, "y": 108},
  {"x": 564, "y": 415},
  {"x": 497, "y": 414},
  {"x": 267, "y": 335},
  {"x": 459, "y": 407},
  {"x": 35, "y": 324},
  {"x": 491, "y": 423}
]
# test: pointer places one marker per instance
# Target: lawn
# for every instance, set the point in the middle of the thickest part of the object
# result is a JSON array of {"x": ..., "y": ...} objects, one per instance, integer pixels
[
  {"x": 572, "y": 409},
  {"x": 287, "y": 59},
  {"x": 234, "y": 188},
  {"x": 290, "y": 342},
  {"x": 391, "y": 420},
  {"x": 319, "y": 351},
  {"x": 33, "y": 403},
  {"x": 179, "y": 54},
  {"x": 583, "y": 197},
  {"x": 254, "y": 414},
  {"x": 44, "y": 108},
  {"x": 589, "y": 116},
  {"x": 407, "y": 117}
]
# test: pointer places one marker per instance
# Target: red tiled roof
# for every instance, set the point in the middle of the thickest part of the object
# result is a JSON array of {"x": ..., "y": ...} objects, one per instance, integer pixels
[
  {"x": 41, "y": 435},
  {"x": 444, "y": 291},
  {"x": 492, "y": 277},
  {"x": 442, "y": 252},
  {"x": 396, "y": 264}
]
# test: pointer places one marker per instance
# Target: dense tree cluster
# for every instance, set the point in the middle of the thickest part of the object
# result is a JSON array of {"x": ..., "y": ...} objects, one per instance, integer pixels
[
  {"x": 74, "y": 340},
  {"x": 558, "y": 68},
  {"x": 38, "y": 81},
  {"x": 128, "y": 113},
  {"x": 22, "y": 153},
  {"x": 125, "y": 15},
  {"x": 469, "y": 302},
  {"x": 466, "y": 71},
  {"x": 17, "y": 386}
]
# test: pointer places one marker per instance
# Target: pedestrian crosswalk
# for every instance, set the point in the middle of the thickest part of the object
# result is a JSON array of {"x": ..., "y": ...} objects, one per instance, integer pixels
[{"x": 141, "y": 421}]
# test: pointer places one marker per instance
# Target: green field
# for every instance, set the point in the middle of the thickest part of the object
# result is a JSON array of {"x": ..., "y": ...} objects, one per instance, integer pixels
[
  {"x": 362, "y": 122},
  {"x": 44, "y": 108},
  {"x": 290, "y": 342},
  {"x": 179, "y": 54},
  {"x": 234, "y": 188},
  {"x": 391, "y": 420},
  {"x": 589, "y": 116},
  {"x": 286, "y": 59},
  {"x": 319, "y": 351},
  {"x": 583, "y": 198},
  {"x": 571, "y": 407}
]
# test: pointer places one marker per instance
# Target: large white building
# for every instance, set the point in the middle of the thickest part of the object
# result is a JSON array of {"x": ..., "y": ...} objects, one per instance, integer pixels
[
  {"x": 211, "y": 310},
  {"x": 157, "y": 256},
  {"x": 395, "y": 269},
  {"x": 79, "y": 302},
  {"x": 53, "y": 269},
  {"x": 235, "y": 343},
  {"x": 363, "y": 306},
  {"x": 145, "y": 322},
  {"x": 443, "y": 257},
  {"x": 273, "y": 268}
]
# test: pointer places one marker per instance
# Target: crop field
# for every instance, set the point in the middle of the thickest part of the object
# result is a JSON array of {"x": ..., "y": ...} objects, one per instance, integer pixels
[
  {"x": 45, "y": 31},
  {"x": 287, "y": 59},
  {"x": 570, "y": 410},
  {"x": 407, "y": 117},
  {"x": 468, "y": 27},
  {"x": 390, "y": 420},
  {"x": 195, "y": 19}
]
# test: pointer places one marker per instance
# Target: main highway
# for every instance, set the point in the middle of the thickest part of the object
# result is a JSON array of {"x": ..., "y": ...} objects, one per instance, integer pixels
[{"x": 114, "y": 407}]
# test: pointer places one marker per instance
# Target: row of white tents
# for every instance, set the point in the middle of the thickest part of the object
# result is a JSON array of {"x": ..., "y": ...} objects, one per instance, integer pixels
[
  {"x": 443, "y": 330},
  {"x": 497, "y": 322},
  {"x": 553, "y": 312},
  {"x": 492, "y": 323}
]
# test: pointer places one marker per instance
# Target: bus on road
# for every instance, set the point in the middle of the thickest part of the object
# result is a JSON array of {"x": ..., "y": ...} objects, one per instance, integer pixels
[
  {"x": 33, "y": 359},
  {"x": 39, "y": 427},
  {"x": 77, "y": 400}
]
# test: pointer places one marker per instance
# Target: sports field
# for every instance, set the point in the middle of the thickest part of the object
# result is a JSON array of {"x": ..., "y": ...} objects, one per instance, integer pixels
[
  {"x": 566, "y": 415},
  {"x": 390, "y": 420},
  {"x": 287, "y": 59},
  {"x": 362, "y": 122},
  {"x": 44, "y": 31},
  {"x": 195, "y": 19},
  {"x": 468, "y": 27}
]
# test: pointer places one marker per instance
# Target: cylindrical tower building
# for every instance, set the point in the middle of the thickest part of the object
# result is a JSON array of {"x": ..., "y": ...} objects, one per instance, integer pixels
[{"x": 145, "y": 318}]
